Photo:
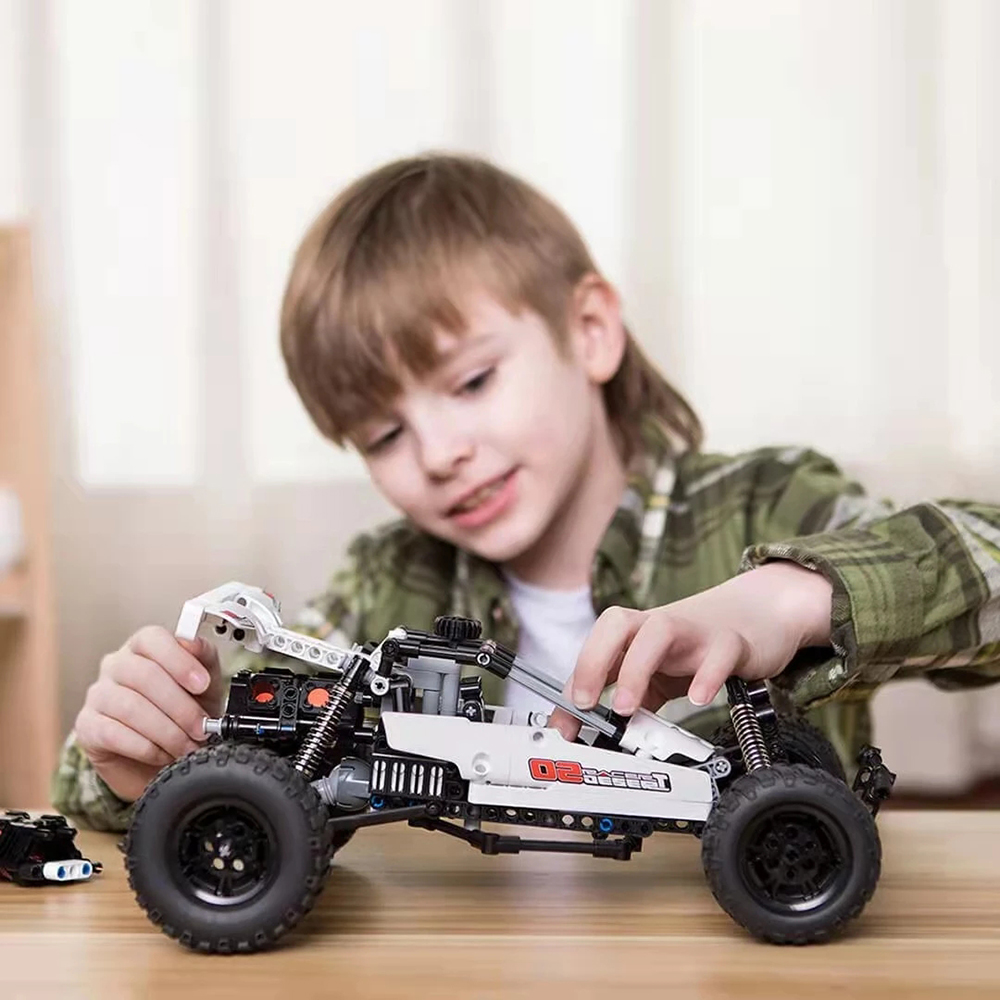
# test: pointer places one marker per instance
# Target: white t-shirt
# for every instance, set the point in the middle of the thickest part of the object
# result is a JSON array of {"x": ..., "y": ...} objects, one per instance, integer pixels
[{"x": 553, "y": 627}]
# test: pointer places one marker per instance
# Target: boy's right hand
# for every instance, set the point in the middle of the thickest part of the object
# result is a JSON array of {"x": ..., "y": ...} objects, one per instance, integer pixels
[{"x": 146, "y": 707}]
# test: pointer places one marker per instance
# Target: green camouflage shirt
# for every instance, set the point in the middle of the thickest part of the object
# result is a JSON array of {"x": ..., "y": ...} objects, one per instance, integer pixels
[{"x": 915, "y": 591}]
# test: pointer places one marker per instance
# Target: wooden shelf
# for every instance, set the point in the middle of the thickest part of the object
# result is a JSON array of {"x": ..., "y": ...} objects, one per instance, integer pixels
[
  {"x": 29, "y": 689},
  {"x": 14, "y": 594}
]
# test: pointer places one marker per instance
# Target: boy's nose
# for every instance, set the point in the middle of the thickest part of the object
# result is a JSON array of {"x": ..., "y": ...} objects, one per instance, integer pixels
[{"x": 444, "y": 453}]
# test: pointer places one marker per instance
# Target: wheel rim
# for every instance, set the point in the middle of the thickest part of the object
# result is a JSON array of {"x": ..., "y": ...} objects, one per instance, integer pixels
[
  {"x": 224, "y": 853},
  {"x": 795, "y": 859}
]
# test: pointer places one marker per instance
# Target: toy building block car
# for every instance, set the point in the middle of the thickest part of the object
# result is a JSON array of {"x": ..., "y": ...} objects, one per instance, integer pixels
[
  {"x": 41, "y": 850},
  {"x": 230, "y": 845}
]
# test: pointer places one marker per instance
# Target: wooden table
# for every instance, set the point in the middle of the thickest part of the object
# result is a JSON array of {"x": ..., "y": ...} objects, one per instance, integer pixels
[{"x": 408, "y": 913}]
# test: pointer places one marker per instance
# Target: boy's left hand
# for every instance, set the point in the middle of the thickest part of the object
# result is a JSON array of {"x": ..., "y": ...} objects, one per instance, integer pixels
[{"x": 750, "y": 626}]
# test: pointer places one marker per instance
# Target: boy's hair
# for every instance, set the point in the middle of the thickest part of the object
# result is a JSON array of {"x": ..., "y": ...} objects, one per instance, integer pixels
[{"x": 390, "y": 259}]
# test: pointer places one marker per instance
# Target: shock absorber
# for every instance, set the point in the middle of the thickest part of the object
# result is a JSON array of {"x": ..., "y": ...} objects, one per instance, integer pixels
[
  {"x": 323, "y": 733},
  {"x": 749, "y": 735}
]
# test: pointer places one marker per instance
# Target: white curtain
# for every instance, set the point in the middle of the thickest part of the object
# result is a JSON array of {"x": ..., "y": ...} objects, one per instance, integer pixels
[{"x": 798, "y": 200}]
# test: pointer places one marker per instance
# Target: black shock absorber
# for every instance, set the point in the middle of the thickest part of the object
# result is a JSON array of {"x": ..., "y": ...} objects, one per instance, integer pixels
[
  {"x": 747, "y": 726},
  {"x": 323, "y": 733}
]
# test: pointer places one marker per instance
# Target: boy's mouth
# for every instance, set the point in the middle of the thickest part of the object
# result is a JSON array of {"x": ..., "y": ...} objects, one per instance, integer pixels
[{"x": 480, "y": 496}]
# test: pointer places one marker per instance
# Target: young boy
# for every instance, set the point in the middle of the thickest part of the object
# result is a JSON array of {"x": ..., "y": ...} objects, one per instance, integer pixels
[{"x": 447, "y": 320}]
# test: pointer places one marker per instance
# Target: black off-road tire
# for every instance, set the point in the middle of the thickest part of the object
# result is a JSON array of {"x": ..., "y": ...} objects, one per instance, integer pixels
[
  {"x": 246, "y": 803},
  {"x": 791, "y": 854},
  {"x": 804, "y": 744}
]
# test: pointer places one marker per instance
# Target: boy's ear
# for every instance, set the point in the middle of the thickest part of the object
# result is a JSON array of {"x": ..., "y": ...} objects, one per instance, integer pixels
[{"x": 597, "y": 333}]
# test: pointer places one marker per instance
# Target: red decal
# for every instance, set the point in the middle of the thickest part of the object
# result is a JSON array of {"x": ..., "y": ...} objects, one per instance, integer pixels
[
  {"x": 569, "y": 771},
  {"x": 542, "y": 770}
]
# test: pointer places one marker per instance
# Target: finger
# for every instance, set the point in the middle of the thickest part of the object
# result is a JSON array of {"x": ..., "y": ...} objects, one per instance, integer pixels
[
  {"x": 567, "y": 726},
  {"x": 131, "y": 709},
  {"x": 722, "y": 660},
  {"x": 646, "y": 653},
  {"x": 99, "y": 736},
  {"x": 602, "y": 652},
  {"x": 159, "y": 645},
  {"x": 151, "y": 681}
]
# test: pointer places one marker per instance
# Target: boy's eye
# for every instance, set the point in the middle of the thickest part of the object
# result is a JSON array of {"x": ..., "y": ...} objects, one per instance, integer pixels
[
  {"x": 477, "y": 381},
  {"x": 380, "y": 443}
]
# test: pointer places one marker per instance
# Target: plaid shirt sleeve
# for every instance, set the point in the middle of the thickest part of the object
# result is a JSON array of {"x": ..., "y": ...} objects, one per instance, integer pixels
[
  {"x": 915, "y": 591},
  {"x": 77, "y": 790}
]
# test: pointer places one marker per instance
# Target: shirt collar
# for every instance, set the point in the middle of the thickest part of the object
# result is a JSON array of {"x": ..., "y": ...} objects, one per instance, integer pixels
[{"x": 624, "y": 557}]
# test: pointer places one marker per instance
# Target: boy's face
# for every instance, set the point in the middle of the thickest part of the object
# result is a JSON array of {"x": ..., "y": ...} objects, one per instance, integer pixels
[{"x": 490, "y": 449}]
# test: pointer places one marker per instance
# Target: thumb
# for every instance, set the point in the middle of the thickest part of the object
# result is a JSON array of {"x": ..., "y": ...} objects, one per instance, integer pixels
[{"x": 211, "y": 699}]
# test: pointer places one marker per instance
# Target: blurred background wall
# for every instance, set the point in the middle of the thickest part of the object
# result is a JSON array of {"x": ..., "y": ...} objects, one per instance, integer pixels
[{"x": 799, "y": 201}]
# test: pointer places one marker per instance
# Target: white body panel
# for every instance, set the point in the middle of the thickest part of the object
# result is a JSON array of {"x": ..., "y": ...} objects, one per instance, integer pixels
[
  {"x": 648, "y": 734},
  {"x": 587, "y": 799},
  {"x": 496, "y": 760}
]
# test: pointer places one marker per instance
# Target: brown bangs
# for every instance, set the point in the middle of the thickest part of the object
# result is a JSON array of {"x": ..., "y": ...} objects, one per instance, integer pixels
[{"x": 384, "y": 324}]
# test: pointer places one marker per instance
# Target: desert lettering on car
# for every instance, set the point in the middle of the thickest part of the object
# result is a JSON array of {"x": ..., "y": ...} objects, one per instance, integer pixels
[{"x": 573, "y": 773}]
